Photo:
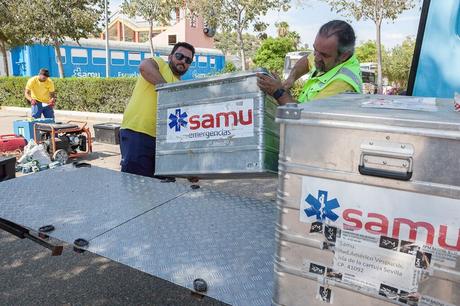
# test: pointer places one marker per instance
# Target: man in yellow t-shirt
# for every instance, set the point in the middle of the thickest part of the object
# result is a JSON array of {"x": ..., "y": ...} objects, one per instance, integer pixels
[
  {"x": 138, "y": 129},
  {"x": 41, "y": 94}
]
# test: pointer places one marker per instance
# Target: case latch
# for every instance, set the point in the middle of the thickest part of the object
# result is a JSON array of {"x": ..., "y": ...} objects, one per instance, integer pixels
[{"x": 289, "y": 111}]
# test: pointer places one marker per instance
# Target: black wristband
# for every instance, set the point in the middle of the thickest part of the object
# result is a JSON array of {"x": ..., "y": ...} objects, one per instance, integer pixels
[{"x": 278, "y": 93}]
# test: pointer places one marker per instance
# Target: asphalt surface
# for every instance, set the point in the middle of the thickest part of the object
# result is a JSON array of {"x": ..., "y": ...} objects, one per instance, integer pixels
[{"x": 29, "y": 275}]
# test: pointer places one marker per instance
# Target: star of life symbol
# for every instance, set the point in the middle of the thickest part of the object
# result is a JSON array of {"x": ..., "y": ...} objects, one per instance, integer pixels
[
  {"x": 321, "y": 207},
  {"x": 178, "y": 120}
]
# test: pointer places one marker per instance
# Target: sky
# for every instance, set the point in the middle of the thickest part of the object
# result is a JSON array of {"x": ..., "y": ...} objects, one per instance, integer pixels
[{"x": 307, "y": 19}]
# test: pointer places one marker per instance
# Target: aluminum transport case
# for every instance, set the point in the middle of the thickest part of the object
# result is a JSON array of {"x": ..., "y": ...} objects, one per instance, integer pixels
[
  {"x": 369, "y": 201},
  {"x": 218, "y": 127},
  {"x": 108, "y": 132}
]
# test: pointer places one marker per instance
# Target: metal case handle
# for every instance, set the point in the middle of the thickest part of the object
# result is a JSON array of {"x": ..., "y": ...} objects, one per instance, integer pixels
[
  {"x": 385, "y": 173},
  {"x": 386, "y": 159}
]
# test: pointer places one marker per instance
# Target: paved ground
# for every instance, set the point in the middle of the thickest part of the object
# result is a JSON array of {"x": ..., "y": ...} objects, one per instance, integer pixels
[{"x": 30, "y": 276}]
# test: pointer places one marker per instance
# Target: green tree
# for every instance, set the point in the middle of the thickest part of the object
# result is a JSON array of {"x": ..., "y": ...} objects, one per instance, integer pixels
[
  {"x": 54, "y": 21},
  {"x": 153, "y": 11},
  {"x": 14, "y": 29},
  {"x": 235, "y": 15},
  {"x": 229, "y": 67},
  {"x": 295, "y": 37},
  {"x": 260, "y": 28},
  {"x": 272, "y": 52},
  {"x": 367, "y": 52},
  {"x": 398, "y": 63},
  {"x": 228, "y": 43},
  {"x": 282, "y": 28},
  {"x": 377, "y": 11}
]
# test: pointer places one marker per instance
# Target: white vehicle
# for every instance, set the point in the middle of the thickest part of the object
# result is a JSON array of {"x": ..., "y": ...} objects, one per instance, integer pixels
[
  {"x": 290, "y": 60},
  {"x": 369, "y": 81},
  {"x": 371, "y": 66}
]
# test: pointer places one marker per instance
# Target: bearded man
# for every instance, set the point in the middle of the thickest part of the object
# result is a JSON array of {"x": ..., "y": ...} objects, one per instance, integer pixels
[
  {"x": 138, "y": 128},
  {"x": 336, "y": 68}
]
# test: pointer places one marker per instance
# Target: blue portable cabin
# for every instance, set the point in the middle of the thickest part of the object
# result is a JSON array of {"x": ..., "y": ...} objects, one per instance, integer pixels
[
  {"x": 436, "y": 63},
  {"x": 88, "y": 59}
]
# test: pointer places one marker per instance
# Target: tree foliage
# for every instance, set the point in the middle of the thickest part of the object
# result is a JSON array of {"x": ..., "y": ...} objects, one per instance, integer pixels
[
  {"x": 377, "y": 11},
  {"x": 398, "y": 63},
  {"x": 272, "y": 52},
  {"x": 367, "y": 52},
  {"x": 14, "y": 29},
  {"x": 153, "y": 11},
  {"x": 228, "y": 43},
  {"x": 295, "y": 37},
  {"x": 49, "y": 21},
  {"x": 282, "y": 29},
  {"x": 235, "y": 15},
  {"x": 53, "y": 21},
  {"x": 229, "y": 67}
]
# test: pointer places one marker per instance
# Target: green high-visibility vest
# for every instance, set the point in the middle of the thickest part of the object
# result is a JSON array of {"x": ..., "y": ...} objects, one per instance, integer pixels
[{"x": 349, "y": 71}]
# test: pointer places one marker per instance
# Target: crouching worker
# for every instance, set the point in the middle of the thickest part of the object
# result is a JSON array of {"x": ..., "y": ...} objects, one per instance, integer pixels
[{"x": 41, "y": 94}]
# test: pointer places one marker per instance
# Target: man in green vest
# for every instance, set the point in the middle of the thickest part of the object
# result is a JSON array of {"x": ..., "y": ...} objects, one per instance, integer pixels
[{"x": 336, "y": 68}]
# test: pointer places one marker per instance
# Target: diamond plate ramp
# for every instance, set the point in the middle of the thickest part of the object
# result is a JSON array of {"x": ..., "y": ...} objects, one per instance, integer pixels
[
  {"x": 228, "y": 241},
  {"x": 81, "y": 202},
  {"x": 166, "y": 230}
]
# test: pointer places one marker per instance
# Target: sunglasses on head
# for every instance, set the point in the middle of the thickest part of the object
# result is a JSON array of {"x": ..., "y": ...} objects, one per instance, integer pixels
[{"x": 179, "y": 56}]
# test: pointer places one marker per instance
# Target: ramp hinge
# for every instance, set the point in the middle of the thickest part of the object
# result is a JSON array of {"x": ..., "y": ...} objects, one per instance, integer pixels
[{"x": 22, "y": 233}]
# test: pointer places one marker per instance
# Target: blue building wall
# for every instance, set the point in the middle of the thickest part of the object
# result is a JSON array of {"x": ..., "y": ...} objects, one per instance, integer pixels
[{"x": 438, "y": 67}]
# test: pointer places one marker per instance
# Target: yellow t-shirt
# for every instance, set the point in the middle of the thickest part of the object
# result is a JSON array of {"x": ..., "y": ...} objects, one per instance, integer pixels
[
  {"x": 141, "y": 113},
  {"x": 40, "y": 91},
  {"x": 336, "y": 87}
]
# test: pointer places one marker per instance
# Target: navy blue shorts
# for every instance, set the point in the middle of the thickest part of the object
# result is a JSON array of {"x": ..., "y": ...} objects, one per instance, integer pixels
[{"x": 137, "y": 153}]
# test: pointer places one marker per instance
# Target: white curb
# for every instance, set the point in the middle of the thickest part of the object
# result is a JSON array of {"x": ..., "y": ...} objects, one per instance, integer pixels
[{"x": 65, "y": 113}]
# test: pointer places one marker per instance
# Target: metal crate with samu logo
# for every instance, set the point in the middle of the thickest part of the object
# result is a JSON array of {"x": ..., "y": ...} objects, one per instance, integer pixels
[
  {"x": 216, "y": 127},
  {"x": 369, "y": 196}
]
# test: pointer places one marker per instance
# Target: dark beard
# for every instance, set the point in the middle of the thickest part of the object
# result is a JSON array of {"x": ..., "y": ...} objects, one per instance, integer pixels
[
  {"x": 175, "y": 71},
  {"x": 320, "y": 67}
]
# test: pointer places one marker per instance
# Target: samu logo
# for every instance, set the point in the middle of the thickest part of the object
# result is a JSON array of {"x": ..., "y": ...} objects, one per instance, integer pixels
[
  {"x": 177, "y": 120},
  {"x": 321, "y": 207}
]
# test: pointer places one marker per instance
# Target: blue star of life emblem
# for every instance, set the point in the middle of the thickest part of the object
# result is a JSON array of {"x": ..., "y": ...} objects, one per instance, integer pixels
[
  {"x": 178, "y": 120},
  {"x": 321, "y": 207}
]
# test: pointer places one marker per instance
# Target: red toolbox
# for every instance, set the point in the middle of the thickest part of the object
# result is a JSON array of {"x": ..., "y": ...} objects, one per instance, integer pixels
[{"x": 12, "y": 142}]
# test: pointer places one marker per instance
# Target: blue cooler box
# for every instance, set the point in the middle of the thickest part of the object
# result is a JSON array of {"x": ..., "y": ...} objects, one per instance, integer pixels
[{"x": 26, "y": 127}]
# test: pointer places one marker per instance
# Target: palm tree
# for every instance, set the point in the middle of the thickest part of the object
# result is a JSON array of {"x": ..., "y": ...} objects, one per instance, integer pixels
[{"x": 282, "y": 28}]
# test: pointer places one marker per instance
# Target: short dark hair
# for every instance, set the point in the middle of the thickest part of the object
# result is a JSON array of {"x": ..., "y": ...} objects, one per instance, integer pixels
[
  {"x": 44, "y": 72},
  {"x": 345, "y": 34},
  {"x": 183, "y": 45}
]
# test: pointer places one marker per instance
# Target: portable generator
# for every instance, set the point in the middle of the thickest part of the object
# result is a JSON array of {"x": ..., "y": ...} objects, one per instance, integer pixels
[
  {"x": 64, "y": 140},
  {"x": 12, "y": 144}
]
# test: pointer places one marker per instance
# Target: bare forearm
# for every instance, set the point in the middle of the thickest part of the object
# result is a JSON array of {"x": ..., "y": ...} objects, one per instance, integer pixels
[
  {"x": 300, "y": 68},
  {"x": 150, "y": 71},
  {"x": 27, "y": 95},
  {"x": 273, "y": 87}
]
